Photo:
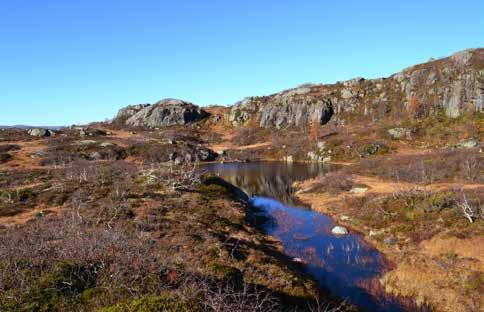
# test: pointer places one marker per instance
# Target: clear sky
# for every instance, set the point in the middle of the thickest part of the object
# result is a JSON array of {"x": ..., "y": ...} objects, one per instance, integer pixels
[{"x": 75, "y": 61}]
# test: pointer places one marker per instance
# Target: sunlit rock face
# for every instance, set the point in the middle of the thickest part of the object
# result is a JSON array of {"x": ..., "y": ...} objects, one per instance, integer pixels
[
  {"x": 166, "y": 112},
  {"x": 286, "y": 109},
  {"x": 130, "y": 110},
  {"x": 452, "y": 85}
]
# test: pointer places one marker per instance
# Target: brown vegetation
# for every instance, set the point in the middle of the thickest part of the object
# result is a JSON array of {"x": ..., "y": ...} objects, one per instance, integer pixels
[{"x": 125, "y": 236}]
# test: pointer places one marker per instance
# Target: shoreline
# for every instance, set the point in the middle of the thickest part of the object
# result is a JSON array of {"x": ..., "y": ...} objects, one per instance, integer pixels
[{"x": 412, "y": 271}]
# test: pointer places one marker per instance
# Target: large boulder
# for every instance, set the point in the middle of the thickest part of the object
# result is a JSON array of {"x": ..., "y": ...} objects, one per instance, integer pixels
[
  {"x": 40, "y": 132},
  {"x": 166, "y": 112}
]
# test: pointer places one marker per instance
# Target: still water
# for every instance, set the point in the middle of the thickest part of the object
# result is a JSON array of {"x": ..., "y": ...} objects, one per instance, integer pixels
[{"x": 346, "y": 266}]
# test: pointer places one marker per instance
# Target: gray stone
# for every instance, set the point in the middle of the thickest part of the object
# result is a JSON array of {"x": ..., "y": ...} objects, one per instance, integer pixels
[
  {"x": 130, "y": 110},
  {"x": 399, "y": 133},
  {"x": 468, "y": 144},
  {"x": 359, "y": 190},
  {"x": 167, "y": 112},
  {"x": 345, "y": 218},
  {"x": 205, "y": 154},
  {"x": 95, "y": 156},
  {"x": 85, "y": 142},
  {"x": 106, "y": 144},
  {"x": 390, "y": 240},
  {"x": 38, "y": 154},
  {"x": 346, "y": 94},
  {"x": 321, "y": 145},
  {"x": 39, "y": 132},
  {"x": 339, "y": 230}
]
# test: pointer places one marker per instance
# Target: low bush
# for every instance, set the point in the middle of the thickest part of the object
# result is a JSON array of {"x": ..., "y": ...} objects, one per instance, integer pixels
[
  {"x": 439, "y": 166},
  {"x": 9, "y": 147},
  {"x": 333, "y": 182},
  {"x": 150, "y": 304},
  {"x": 5, "y": 157}
]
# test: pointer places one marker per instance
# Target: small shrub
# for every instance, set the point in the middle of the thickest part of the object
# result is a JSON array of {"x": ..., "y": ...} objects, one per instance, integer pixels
[
  {"x": 148, "y": 304},
  {"x": 5, "y": 157},
  {"x": 374, "y": 149},
  {"x": 224, "y": 271},
  {"x": 9, "y": 147},
  {"x": 333, "y": 182}
]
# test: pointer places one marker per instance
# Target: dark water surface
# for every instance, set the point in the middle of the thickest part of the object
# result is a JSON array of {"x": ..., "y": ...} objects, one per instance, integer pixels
[{"x": 347, "y": 266}]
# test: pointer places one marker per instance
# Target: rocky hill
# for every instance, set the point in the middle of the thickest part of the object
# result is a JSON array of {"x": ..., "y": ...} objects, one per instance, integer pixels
[
  {"x": 166, "y": 112},
  {"x": 453, "y": 84},
  {"x": 450, "y": 85}
]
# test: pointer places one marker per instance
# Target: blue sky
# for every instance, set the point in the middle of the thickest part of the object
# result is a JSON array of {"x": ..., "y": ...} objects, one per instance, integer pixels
[{"x": 64, "y": 62}]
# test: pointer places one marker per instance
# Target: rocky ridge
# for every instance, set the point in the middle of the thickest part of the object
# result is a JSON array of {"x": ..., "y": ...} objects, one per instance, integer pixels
[{"x": 453, "y": 84}]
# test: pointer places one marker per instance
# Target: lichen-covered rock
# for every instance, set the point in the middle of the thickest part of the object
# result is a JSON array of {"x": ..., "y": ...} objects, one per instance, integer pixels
[
  {"x": 130, "y": 110},
  {"x": 358, "y": 190},
  {"x": 39, "y": 132},
  {"x": 468, "y": 144},
  {"x": 282, "y": 110},
  {"x": 399, "y": 133},
  {"x": 166, "y": 112},
  {"x": 451, "y": 85}
]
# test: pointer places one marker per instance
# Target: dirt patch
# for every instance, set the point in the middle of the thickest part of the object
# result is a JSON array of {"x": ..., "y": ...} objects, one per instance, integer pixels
[{"x": 27, "y": 216}]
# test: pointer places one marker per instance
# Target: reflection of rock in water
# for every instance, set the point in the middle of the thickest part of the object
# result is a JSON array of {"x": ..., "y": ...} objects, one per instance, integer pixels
[{"x": 275, "y": 182}]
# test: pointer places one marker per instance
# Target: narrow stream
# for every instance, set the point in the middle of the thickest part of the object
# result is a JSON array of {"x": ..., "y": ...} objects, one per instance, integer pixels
[{"x": 346, "y": 266}]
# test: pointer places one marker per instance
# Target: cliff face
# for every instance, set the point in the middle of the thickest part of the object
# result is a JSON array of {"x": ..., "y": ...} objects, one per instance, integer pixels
[{"x": 453, "y": 85}]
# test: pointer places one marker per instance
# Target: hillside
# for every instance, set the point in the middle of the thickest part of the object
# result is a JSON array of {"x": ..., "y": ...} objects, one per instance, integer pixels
[{"x": 121, "y": 216}]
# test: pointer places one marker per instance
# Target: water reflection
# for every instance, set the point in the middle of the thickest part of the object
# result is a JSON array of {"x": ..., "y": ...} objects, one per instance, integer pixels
[
  {"x": 269, "y": 179},
  {"x": 347, "y": 266}
]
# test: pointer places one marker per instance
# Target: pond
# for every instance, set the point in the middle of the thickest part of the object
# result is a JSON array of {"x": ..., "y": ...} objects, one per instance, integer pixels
[{"x": 346, "y": 266}]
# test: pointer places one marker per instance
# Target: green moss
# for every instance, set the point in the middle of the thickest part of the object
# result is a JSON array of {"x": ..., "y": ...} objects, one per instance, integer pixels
[
  {"x": 213, "y": 191},
  {"x": 151, "y": 304},
  {"x": 474, "y": 282},
  {"x": 222, "y": 270},
  {"x": 58, "y": 289},
  {"x": 24, "y": 194},
  {"x": 374, "y": 149}
]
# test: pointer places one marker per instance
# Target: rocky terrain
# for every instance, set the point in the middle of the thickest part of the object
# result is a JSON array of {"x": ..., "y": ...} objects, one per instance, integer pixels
[
  {"x": 117, "y": 216},
  {"x": 166, "y": 112},
  {"x": 453, "y": 84}
]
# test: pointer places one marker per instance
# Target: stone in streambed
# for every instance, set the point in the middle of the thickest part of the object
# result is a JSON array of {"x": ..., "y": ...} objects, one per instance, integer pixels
[{"x": 339, "y": 230}]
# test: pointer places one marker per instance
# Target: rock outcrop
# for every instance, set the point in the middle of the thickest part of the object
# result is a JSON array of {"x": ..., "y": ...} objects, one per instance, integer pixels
[
  {"x": 40, "y": 132},
  {"x": 166, "y": 112},
  {"x": 451, "y": 85},
  {"x": 290, "y": 108},
  {"x": 130, "y": 110}
]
